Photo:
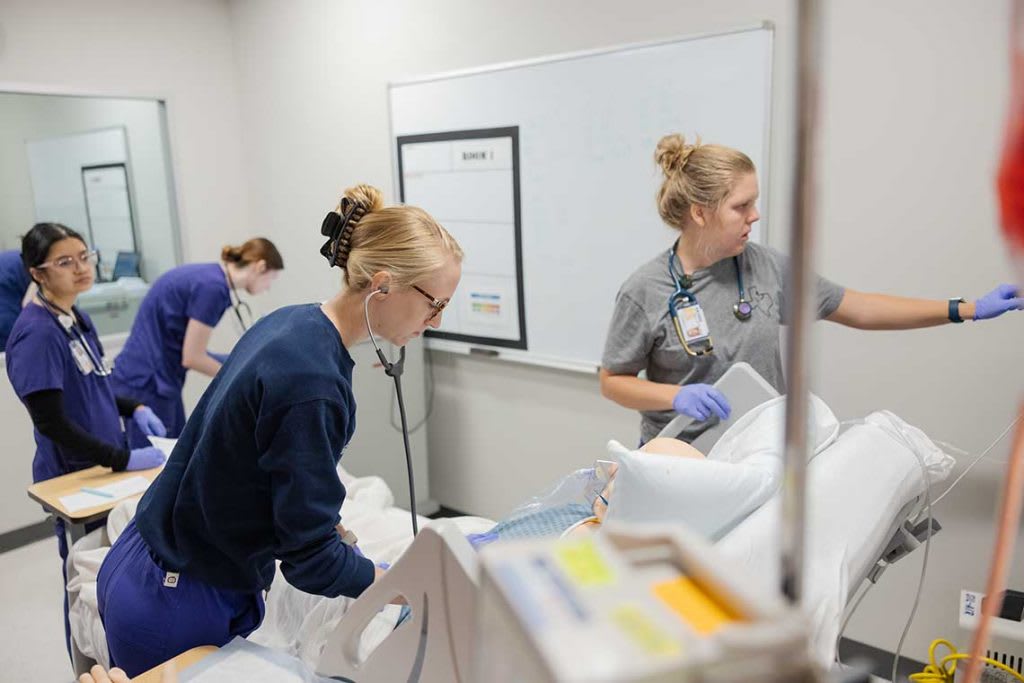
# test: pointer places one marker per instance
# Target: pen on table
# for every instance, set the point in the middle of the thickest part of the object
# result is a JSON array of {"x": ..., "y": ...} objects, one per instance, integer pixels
[{"x": 96, "y": 492}]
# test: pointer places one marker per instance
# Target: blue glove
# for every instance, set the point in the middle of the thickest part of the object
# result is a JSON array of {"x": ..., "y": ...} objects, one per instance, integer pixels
[
  {"x": 480, "y": 540},
  {"x": 219, "y": 357},
  {"x": 701, "y": 401},
  {"x": 148, "y": 422},
  {"x": 145, "y": 458},
  {"x": 384, "y": 565},
  {"x": 1000, "y": 300}
]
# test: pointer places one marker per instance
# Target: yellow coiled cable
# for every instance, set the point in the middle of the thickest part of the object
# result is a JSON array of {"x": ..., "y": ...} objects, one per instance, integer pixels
[{"x": 944, "y": 670}]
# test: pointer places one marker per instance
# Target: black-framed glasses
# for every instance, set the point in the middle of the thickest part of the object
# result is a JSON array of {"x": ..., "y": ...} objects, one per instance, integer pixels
[
  {"x": 437, "y": 304},
  {"x": 86, "y": 258}
]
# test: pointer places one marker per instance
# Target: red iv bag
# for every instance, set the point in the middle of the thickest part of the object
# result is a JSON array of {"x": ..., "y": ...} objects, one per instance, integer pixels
[{"x": 1010, "y": 181}]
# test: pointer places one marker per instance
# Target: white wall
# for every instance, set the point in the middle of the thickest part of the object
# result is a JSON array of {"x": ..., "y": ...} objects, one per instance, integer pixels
[
  {"x": 179, "y": 51},
  {"x": 914, "y": 97},
  {"x": 915, "y": 110}
]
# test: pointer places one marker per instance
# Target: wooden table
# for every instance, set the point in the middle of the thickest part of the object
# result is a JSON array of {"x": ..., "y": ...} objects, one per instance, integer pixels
[
  {"x": 185, "y": 659},
  {"x": 48, "y": 493}
]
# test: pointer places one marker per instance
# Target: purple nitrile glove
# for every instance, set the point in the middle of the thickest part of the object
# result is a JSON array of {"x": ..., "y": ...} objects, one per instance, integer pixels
[
  {"x": 148, "y": 422},
  {"x": 701, "y": 401},
  {"x": 381, "y": 565},
  {"x": 1000, "y": 300},
  {"x": 145, "y": 458},
  {"x": 219, "y": 357}
]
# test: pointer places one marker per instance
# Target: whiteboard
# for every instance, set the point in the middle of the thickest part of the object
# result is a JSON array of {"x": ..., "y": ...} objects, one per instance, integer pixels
[{"x": 587, "y": 127}]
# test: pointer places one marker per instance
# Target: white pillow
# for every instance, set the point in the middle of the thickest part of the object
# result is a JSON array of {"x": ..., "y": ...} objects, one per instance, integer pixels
[
  {"x": 741, "y": 472},
  {"x": 766, "y": 424},
  {"x": 708, "y": 496}
]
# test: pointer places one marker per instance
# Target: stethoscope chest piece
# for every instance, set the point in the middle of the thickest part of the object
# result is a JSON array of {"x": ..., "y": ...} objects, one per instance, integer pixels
[{"x": 742, "y": 309}]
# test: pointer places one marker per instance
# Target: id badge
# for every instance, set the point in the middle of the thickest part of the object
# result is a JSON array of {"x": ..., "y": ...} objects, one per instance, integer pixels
[
  {"x": 81, "y": 356},
  {"x": 691, "y": 326}
]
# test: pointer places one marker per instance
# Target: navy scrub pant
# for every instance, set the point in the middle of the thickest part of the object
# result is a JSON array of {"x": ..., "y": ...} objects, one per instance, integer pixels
[{"x": 151, "y": 615}]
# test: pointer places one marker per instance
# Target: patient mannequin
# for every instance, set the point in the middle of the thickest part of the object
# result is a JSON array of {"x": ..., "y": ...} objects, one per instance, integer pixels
[
  {"x": 540, "y": 519},
  {"x": 660, "y": 445}
]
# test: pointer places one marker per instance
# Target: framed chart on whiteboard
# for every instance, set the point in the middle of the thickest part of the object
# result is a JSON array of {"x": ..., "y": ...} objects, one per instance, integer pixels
[{"x": 469, "y": 181}]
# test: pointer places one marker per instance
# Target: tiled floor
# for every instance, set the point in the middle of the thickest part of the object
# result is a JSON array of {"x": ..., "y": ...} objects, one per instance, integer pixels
[{"x": 31, "y": 616}]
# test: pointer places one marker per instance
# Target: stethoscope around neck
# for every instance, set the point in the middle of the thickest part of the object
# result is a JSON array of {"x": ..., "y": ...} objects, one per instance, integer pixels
[
  {"x": 742, "y": 309},
  {"x": 66, "y": 320},
  {"x": 237, "y": 305}
]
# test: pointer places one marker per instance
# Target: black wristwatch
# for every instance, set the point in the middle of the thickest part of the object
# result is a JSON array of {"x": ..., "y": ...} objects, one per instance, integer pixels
[{"x": 954, "y": 309}]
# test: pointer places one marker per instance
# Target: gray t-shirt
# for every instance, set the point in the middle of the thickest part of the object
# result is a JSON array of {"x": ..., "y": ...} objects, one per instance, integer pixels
[{"x": 642, "y": 335}]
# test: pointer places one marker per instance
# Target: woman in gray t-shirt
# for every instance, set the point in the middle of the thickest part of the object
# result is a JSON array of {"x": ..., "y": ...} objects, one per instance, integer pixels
[{"x": 709, "y": 195}]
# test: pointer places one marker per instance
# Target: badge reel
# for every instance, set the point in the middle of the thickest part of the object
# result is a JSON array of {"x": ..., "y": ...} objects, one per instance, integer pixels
[{"x": 691, "y": 326}]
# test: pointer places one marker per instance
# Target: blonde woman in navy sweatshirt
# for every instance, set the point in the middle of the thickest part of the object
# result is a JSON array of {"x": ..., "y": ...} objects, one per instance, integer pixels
[{"x": 253, "y": 477}]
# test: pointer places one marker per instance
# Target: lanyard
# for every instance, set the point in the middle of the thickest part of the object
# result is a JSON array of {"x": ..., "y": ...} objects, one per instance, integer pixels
[
  {"x": 66, "y": 320},
  {"x": 742, "y": 309}
]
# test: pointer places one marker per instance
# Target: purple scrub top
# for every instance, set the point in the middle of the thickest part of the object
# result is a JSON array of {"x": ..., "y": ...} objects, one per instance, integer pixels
[{"x": 39, "y": 358}]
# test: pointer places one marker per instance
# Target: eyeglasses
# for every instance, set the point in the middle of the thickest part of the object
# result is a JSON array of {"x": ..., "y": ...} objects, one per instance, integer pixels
[
  {"x": 86, "y": 258},
  {"x": 438, "y": 304}
]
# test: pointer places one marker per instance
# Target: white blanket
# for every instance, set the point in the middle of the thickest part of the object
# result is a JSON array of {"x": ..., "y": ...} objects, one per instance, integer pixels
[
  {"x": 298, "y": 623},
  {"x": 295, "y": 622}
]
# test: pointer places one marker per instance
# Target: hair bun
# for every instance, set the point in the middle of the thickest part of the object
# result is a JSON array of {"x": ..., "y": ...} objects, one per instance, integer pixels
[
  {"x": 231, "y": 254},
  {"x": 672, "y": 153},
  {"x": 366, "y": 199}
]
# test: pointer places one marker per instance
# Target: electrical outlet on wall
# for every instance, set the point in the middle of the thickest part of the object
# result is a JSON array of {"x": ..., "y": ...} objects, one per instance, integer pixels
[{"x": 1007, "y": 642}]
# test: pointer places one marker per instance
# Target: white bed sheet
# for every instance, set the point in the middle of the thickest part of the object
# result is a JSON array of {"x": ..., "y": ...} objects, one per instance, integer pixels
[
  {"x": 872, "y": 472},
  {"x": 295, "y": 622}
]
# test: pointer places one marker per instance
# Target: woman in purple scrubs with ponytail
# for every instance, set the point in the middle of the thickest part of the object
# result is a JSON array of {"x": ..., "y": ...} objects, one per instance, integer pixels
[{"x": 175, "y": 321}]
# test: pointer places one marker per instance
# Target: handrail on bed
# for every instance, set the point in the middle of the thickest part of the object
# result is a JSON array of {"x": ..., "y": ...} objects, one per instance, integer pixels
[{"x": 438, "y": 577}]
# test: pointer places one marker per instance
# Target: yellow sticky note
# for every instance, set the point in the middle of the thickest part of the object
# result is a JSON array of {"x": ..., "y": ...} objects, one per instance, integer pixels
[{"x": 583, "y": 564}]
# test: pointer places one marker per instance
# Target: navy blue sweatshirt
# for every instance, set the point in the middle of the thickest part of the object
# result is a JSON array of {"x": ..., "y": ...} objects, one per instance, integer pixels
[{"x": 253, "y": 476}]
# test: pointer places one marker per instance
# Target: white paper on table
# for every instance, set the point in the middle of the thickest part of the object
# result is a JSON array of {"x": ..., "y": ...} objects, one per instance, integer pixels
[
  {"x": 125, "y": 487},
  {"x": 117, "y": 490},
  {"x": 164, "y": 444},
  {"x": 82, "y": 500}
]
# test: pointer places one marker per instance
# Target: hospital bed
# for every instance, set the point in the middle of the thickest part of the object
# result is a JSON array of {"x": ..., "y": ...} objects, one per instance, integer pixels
[{"x": 861, "y": 525}]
